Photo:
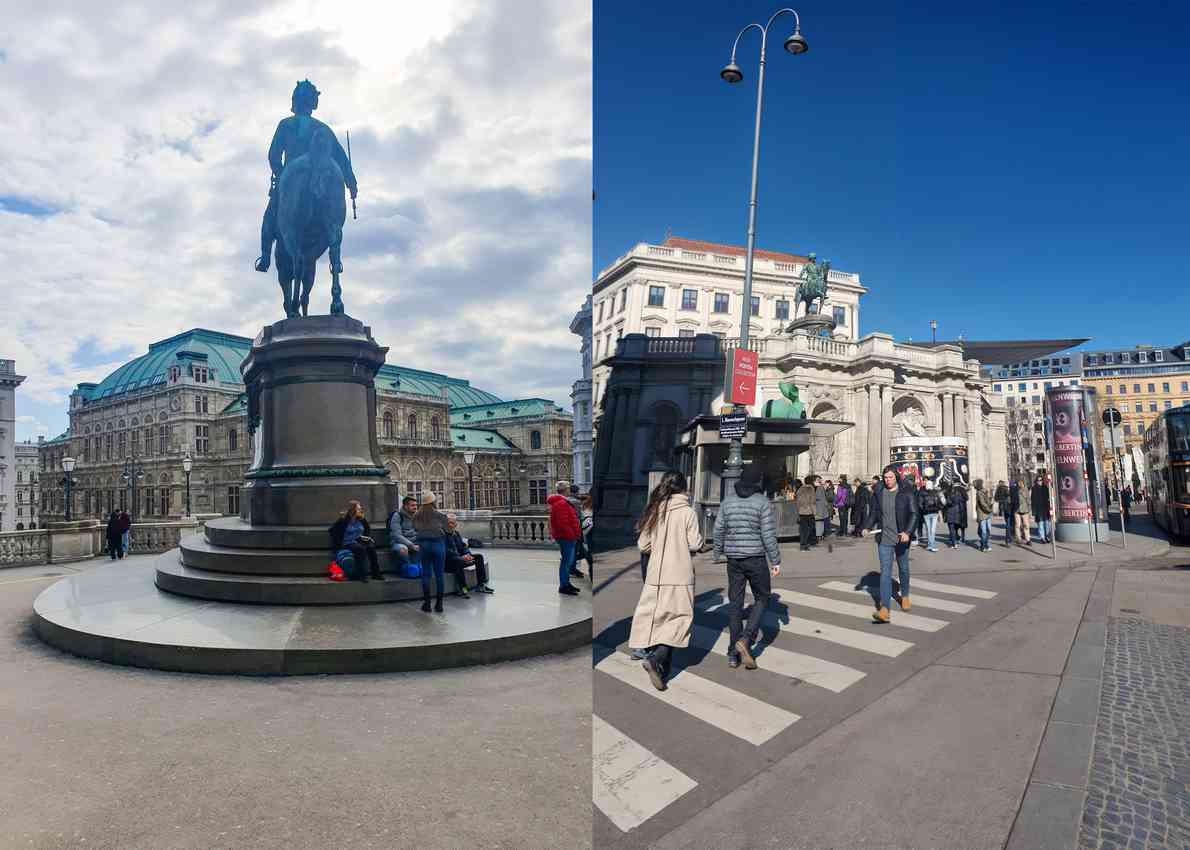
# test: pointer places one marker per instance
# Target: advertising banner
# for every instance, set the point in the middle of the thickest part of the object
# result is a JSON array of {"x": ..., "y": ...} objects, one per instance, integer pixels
[
  {"x": 1070, "y": 468},
  {"x": 942, "y": 460},
  {"x": 741, "y": 387}
]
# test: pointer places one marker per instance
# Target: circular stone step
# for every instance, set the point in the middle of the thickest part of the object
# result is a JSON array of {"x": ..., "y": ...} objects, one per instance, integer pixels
[
  {"x": 114, "y": 613},
  {"x": 233, "y": 533},
  {"x": 176, "y": 577},
  {"x": 201, "y": 554}
]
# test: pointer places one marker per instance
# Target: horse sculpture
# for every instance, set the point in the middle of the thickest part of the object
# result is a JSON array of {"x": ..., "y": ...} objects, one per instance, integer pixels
[
  {"x": 311, "y": 210},
  {"x": 812, "y": 290}
]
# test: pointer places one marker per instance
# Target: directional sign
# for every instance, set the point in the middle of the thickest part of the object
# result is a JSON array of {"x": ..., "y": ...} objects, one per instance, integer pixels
[
  {"x": 1111, "y": 417},
  {"x": 741, "y": 387},
  {"x": 733, "y": 426}
]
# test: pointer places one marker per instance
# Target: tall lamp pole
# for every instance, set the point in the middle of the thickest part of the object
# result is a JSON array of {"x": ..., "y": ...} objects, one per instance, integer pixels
[
  {"x": 68, "y": 481},
  {"x": 129, "y": 477},
  {"x": 469, "y": 457},
  {"x": 795, "y": 44},
  {"x": 187, "y": 466}
]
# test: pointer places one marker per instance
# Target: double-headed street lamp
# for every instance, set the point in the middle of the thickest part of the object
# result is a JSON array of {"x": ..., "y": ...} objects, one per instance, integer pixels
[
  {"x": 187, "y": 465},
  {"x": 795, "y": 44},
  {"x": 68, "y": 481},
  {"x": 129, "y": 476}
]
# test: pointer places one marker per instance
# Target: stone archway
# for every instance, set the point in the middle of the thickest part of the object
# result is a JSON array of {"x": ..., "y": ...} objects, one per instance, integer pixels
[
  {"x": 822, "y": 449},
  {"x": 909, "y": 417}
]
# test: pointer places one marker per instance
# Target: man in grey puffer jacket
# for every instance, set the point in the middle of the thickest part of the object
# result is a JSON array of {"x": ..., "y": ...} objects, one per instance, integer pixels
[{"x": 745, "y": 531}]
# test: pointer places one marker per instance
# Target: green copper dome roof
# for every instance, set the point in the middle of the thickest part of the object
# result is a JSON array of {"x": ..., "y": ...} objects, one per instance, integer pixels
[
  {"x": 222, "y": 354},
  {"x": 489, "y": 410}
]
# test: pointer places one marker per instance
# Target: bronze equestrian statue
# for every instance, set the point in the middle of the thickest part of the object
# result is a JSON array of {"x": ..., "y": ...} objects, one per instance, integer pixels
[
  {"x": 306, "y": 209},
  {"x": 812, "y": 289}
]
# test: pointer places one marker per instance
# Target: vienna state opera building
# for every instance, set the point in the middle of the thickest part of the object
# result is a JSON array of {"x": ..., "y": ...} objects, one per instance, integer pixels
[{"x": 130, "y": 432}]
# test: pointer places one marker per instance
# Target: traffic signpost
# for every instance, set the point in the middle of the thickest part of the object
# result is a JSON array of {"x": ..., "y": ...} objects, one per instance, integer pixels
[
  {"x": 1111, "y": 418},
  {"x": 733, "y": 426}
]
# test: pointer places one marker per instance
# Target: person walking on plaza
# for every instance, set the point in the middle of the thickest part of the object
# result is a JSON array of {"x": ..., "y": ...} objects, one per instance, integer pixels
[
  {"x": 746, "y": 533},
  {"x": 115, "y": 536},
  {"x": 929, "y": 506},
  {"x": 893, "y": 517},
  {"x": 1020, "y": 501},
  {"x": 351, "y": 532},
  {"x": 432, "y": 526},
  {"x": 1039, "y": 499},
  {"x": 1126, "y": 502},
  {"x": 859, "y": 509},
  {"x": 564, "y": 528},
  {"x": 983, "y": 514},
  {"x": 664, "y": 614},
  {"x": 956, "y": 515},
  {"x": 843, "y": 502},
  {"x": 125, "y": 532},
  {"x": 805, "y": 514},
  {"x": 1004, "y": 508},
  {"x": 919, "y": 491}
]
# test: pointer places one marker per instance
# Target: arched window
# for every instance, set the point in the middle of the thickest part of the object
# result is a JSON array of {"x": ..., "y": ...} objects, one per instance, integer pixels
[
  {"x": 388, "y": 425},
  {"x": 413, "y": 426},
  {"x": 535, "y": 439},
  {"x": 435, "y": 429},
  {"x": 233, "y": 440},
  {"x": 561, "y": 439}
]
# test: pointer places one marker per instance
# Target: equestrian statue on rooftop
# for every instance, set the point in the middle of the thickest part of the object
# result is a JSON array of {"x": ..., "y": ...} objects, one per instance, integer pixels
[
  {"x": 812, "y": 289},
  {"x": 306, "y": 210}
]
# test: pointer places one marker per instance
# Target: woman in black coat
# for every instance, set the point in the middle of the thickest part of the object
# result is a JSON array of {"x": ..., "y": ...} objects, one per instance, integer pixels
[
  {"x": 859, "y": 508},
  {"x": 956, "y": 515},
  {"x": 115, "y": 536},
  {"x": 1039, "y": 498}
]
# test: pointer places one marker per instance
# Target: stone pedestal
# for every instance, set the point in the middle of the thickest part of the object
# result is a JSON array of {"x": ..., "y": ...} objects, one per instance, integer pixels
[
  {"x": 73, "y": 541},
  {"x": 312, "y": 406},
  {"x": 812, "y": 324}
]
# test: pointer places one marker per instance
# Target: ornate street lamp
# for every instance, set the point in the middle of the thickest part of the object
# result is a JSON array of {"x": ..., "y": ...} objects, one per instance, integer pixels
[
  {"x": 68, "y": 481},
  {"x": 933, "y": 332},
  {"x": 129, "y": 476},
  {"x": 795, "y": 44},
  {"x": 469, "y": 457},
  {"x": 187, "y": 465}
]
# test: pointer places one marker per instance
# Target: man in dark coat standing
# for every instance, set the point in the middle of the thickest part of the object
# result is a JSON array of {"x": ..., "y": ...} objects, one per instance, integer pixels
[{"x": 1039, "y": 496}]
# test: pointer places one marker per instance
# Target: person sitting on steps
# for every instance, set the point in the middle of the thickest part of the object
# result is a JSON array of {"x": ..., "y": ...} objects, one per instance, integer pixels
[
  {"x": 352, "y": 532},
  {"x": 402, "y": 535},
  {"x": 459, "y": 557}
]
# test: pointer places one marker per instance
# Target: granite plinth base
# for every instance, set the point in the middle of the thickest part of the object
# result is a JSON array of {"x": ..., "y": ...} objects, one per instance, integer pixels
[
  {"x": 1078, "y": 532},
  {"x": 117, "y": 615}
]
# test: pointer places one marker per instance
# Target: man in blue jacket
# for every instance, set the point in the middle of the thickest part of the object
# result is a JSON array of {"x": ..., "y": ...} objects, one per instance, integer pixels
[
  {"x": 893, "y": 516},
  {"x": 746, "y": 532}
]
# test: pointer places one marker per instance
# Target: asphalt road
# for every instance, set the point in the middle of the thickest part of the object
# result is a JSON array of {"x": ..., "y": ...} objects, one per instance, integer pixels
[
  {"x": 919, "y": 734},
  {"x": 111, "y": 757}
]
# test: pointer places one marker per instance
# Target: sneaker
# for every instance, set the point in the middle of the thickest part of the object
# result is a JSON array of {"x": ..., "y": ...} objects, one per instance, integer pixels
[
  {"x": 932, "y": 549},
  {"x": 638, "y": 654},
  {"x": 654, "y": 673},
  {"x": 569, "y": 590},
  {"x": 577, "y": 573},
  {"x": 483, "y": 588},
  {"x": 741, "y": 646},
  {"x": 733, "y": 661},
  {"x": 462, "y": 593},
  {"x": 880, "y": 616}
]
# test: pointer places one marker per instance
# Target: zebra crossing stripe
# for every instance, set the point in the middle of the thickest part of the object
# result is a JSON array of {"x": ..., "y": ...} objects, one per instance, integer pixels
[
  {"x": 724, "y": 708},
  {"x": 952, "y": 588},
  {"x": 629, "y": 783},
  {"x": 807, "y": 668},
  {"x": 864, "y": 612},
  {"x": 867, "y": 641},
  {"x": 915, "y": 598}
]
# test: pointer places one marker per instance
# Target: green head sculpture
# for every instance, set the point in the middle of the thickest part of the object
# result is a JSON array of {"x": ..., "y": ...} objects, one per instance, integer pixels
[{"x": 790, "y": 408}]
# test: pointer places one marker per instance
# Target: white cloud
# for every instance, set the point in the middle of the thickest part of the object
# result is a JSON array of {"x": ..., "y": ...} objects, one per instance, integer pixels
[
  {"x": 471, "y": 134},
  {"x": 31, "y": 425}
]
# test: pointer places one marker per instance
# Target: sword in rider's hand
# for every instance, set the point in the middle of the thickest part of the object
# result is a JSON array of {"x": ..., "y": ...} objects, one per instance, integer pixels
[{"x": 353, "y": 215}]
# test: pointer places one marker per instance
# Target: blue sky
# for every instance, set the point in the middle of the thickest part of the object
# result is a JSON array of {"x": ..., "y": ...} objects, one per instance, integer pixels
[
  {"x": 135, "y": 176},
  {"x": 1011, "y": 170}
]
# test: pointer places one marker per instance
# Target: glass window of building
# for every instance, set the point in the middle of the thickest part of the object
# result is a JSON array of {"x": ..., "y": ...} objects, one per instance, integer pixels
[
  {"x": 652, "y": 331},
  {"x": 1092, "y": 360},
  {"x": 1022, "y": 387},
  {"x": 840, "y": 316},
  {"x": 782, "y": 308},
  {"x": 685, "y": 333},
  {"x": 1136, "y": 388},
  {"x": 1123, "y": 389},
  {"x": 1127, "y": 429},
  {"x": 1159, "y": 356},
  {"x": 1168, "y": 404},
  {"x": 1108, "y": 389},
  {"x": 1152, "y": 388},
  {"x": 599, "y": 315},
  {"x": 1140, "y": 427},
  {"x": 721, "y": 301},
  {"x": 1142, "y": 357},
  {"x": 1125, "y": 357},
  {"x": 1048, "y": 384},
  {"x": 623, "y": 298},
  {"x": 755, "y": 305},
  {"x": 656, "y": 296},
  {"x": 1139, "y": 407},
  {"x": 1074, "y": 382},
  {"x": 1037, "y": 399},
  {"x": 1165, "y": 388},
  {"x": 1185, "y": 386},
  {"x": 1152, "y": 407},
  {"x": 689, "y": 299},
  {"x": 1109, "y": 358},
  {"x": 997, "y": 388}
]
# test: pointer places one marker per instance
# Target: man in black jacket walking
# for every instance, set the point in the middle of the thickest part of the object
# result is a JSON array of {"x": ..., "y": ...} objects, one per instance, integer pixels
[{"x": 893, "y": 516}]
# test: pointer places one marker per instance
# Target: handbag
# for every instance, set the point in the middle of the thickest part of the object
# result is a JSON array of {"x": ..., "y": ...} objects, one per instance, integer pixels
[{"x": 336, "y": 572}]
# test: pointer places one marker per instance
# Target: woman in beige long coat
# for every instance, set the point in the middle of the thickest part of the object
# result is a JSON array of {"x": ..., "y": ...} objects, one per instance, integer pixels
[{"x": 668, "y": 534}]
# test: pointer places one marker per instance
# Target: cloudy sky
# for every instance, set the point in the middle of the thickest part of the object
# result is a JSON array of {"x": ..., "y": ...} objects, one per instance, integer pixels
[{"x": 134, "y": 177}]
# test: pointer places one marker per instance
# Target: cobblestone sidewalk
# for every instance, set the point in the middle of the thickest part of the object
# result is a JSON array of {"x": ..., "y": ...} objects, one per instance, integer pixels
[{"x": 1139, "y": 792}]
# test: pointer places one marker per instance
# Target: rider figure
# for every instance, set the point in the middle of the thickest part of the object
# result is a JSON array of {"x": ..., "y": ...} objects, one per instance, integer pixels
[{"x": 291, "y": 140}]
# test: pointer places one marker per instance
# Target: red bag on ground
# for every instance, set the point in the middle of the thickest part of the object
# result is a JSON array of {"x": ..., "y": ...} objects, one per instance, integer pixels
[{"x": 336, "y": 572}]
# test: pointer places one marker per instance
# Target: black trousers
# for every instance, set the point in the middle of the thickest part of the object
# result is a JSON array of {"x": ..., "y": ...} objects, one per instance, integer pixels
[
  {"x": 860, "y": 516},
  {"x": 753, "y": 572},
  {"x": 805, "y": 527},
  {"x": 843, "y": 515},
  {"x": 456, "y": 566},
  {"x": 359, "y": 552}
]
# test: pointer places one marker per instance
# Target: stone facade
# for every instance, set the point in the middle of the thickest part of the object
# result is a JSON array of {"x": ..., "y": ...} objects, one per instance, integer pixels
[
  {"x": 185, "y": 397},
  {"x": 580, "y": 401},
  {"x": 28, "y": 486},
  {"x": 9, "y": 381}
]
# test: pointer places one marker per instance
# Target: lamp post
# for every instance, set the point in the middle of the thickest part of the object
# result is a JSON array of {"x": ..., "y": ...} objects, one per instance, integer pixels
[
  {"x": 795, "y": 44},
  {"x": 68, "y": 481},
  {"x": 469, "y": 457},
  {"x": 129, "y": 476},
  {"x": 187, "y": 465},
  {"x": 933, "y": 332}
]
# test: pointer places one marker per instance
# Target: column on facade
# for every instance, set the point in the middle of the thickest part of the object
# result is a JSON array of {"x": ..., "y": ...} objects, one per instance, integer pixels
[
  {"x": 960, "y": 426},
  {"x": 947, "y": 415},
  {"x": 873, "y": 419},
  {"x": 976, "y": 455},
  {"x": 886, "y": 404},
  {"x": 857, "y": 401},
  {"x": 625, "y": 434}
]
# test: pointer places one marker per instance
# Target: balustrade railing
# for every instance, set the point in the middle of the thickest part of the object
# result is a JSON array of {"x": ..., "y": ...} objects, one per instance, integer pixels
[
  {"x": 23, "y": 548},
  {"x": 754, "y": 344},
  {"x": 526, "y": 531}
]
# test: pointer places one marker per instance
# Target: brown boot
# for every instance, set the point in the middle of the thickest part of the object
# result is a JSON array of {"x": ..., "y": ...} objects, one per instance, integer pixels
[
  {"x": 904, "y": 601},
  {"x": 741, "y": 646},
  {"x": 880, "y": 616}
]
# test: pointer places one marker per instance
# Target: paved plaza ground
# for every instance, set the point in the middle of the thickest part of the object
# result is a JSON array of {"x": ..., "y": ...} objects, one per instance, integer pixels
[
  {"x": 975, "y": 723},
  {"x": 112, "y": 757}
]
